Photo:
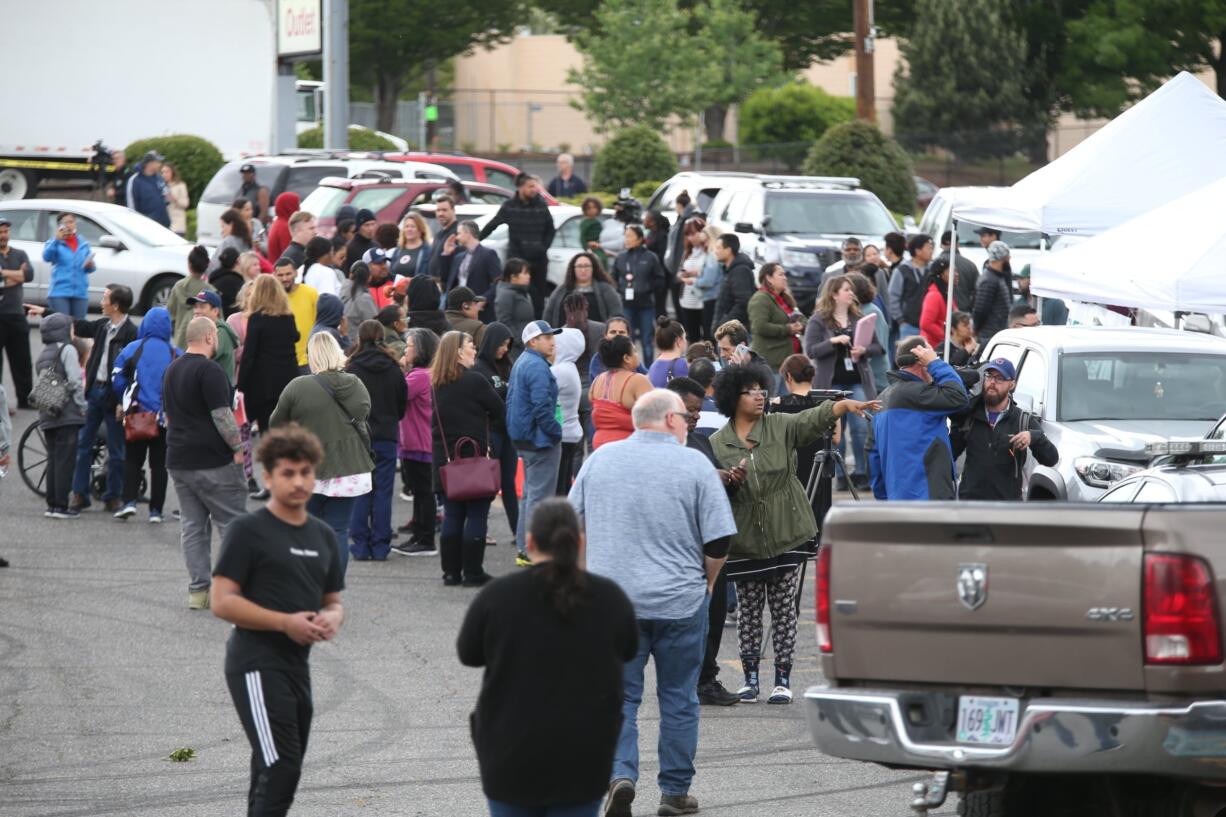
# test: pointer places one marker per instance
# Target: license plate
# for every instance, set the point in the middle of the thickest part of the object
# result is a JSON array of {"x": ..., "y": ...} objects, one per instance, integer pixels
[{"x": 990, "y": 721}]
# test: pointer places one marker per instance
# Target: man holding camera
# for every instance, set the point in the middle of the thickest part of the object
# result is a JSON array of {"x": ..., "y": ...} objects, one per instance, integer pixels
[
  {"x": 996, "y": 436},
  {"x": 908, "y": 448}
]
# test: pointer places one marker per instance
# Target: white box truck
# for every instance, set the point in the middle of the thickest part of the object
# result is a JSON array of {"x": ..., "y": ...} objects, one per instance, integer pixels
[{"x": 83, "y": 72}]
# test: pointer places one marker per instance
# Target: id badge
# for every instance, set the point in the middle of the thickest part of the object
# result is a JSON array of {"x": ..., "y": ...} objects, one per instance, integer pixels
[
  {"x": 629, "y": 293},
  {"x": 848, "y": 364}
]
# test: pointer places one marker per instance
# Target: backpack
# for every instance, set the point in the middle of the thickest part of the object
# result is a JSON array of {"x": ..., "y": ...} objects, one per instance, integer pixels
[{"x": 52, "y": 391}]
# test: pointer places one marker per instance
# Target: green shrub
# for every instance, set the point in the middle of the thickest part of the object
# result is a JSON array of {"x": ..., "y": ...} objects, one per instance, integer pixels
[
  {"x": 644, "y": 190},
  {"x": 196, "y": 159},
  {"x": 861, "y": 150},
  {"x": 359, "y": 139},
  {"x": 629, "y": 157},
  {"x": 717, "y": 144},
  {"x": 190, "y": 234},
  {"x": 782, "y": 123},
  {"x": 606, "y": 199}
]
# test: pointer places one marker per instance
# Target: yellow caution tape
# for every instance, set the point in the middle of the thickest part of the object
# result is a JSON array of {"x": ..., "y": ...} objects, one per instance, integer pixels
[{"x": 78, "y": 164}]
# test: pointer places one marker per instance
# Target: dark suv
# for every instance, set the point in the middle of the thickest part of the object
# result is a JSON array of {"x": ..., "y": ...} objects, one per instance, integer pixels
[{"x": 800, "y": 222}]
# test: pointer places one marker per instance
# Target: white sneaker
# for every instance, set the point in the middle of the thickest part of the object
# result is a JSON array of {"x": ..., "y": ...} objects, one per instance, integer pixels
[
  {"x": 748, "y": 694},
  {"x": 780, "y": 695}
]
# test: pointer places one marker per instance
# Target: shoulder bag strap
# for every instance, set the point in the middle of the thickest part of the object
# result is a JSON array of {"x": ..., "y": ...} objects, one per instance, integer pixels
[
  {"x": 441, "y": 433},
  {"x": 353, "y": 422}
]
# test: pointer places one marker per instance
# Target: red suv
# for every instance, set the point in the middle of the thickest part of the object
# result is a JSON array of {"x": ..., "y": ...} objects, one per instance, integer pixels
[
  {"x": 388, "y": 199},
  {"x": 469, "y": 168}
]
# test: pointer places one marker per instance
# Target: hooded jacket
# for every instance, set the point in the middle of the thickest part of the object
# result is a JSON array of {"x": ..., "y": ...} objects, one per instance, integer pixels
[
  {"x": 423, "y": 306},
  {"x": 570, "y": 345},
  {"x": 497, "y": 372},
  {"x": 734, "y": 293},
  {"x": 278, "y": 234},
  {"x": 908, "y": 448},
  {"x": 513, "y": 306},
  {"x": 145, "y": 196},
  {"x": 154, "y": 336},
  {"x": 227, "y": 345},
  {"x": 388, "y": 391},
  {"x": 610, "y": 304},
  {"x": 346, "y": 446},
  {"x": 329, "y": 312},
  {"x": 532, "y": 398},
  {"x": 68, "y": 268},
  {"x": 58, "y": 352},
  {"x": 640, "y": 270}
]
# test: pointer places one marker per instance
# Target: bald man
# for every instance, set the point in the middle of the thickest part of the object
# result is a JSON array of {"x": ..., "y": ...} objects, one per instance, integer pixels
[{"x": 204, "y": 453}]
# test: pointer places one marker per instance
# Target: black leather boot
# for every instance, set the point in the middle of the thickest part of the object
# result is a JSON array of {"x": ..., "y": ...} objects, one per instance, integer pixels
[
  {"x": 474, "y": 561},
  {"x": 450, "y": 554}
]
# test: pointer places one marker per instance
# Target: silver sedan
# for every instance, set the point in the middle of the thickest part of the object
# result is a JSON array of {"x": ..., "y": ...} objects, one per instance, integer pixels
[{"x": 129, "y": 248}]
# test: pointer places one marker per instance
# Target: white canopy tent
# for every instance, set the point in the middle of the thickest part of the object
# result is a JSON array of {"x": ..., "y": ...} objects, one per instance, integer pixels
[
  {"x": 1188, "y": 275},
  {"x": 1168, "y": 144}
]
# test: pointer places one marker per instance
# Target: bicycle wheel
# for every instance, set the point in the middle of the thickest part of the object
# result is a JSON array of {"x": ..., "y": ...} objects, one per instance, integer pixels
[{"x": 32, "y": 459}]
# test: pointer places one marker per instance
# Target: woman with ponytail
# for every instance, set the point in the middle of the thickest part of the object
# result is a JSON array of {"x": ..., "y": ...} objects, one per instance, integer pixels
[{"x": 558, "y": 625}]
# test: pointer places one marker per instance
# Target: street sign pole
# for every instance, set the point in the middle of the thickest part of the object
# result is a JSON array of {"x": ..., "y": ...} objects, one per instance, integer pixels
[{"x": 336, "y": 74}]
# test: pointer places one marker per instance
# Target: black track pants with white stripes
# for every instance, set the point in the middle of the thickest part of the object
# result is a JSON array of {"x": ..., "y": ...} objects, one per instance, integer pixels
[{"x": 275, "y": 708}]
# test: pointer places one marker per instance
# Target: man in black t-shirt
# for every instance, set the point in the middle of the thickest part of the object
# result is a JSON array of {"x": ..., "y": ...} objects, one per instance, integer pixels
[
  {"x": 204, "y": 453},
  {"x": 279, "y": 582}
]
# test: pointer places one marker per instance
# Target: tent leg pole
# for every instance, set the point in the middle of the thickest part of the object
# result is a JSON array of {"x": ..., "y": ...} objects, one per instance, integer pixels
[{"x": 949, "y": 293}]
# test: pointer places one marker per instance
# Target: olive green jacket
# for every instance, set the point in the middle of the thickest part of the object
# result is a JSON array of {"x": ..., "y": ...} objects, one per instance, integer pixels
[
  {"x": 768, "y": 324},
  {"x": 346, "y": 445},
  {"x": 772, "y": 513}
]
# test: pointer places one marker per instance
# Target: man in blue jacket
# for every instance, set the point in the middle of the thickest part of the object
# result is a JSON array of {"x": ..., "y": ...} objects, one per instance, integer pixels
[
  {"x": 147, "y": 191},
  {"x": 534, "y": 423},
  {"x": 909, "y": 454},
  {"x": 72, "y": 260}
]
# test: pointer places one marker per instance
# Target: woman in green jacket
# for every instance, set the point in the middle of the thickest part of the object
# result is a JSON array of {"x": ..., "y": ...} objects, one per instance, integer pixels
[
  {"x": 334, "y": 406},
  {"x": 774, "y": 322},
  {"x": 774, "y": 520}
]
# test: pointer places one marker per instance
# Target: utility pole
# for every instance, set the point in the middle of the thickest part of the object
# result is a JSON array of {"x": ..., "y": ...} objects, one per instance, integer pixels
[
  {"x": 865, "y": 33},
  {"x": 336, "y": 74}
]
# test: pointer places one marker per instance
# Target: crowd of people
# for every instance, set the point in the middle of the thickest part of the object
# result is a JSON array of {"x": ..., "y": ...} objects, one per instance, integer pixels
[{"x": 311, "y": 381}]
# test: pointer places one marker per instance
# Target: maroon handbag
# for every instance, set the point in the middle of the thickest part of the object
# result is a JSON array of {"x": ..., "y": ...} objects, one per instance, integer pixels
[{"x": 465, "y": 478}]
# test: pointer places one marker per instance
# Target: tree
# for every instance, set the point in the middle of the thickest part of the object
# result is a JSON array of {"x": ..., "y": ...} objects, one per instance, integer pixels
[
  {"x": 631, "y": 156},
  {"x": 637, "y": 69},
  {"x": 359, "y": 139},
  {"x": 786, "y": 121},
  {"x": 391, "y": 41},
  {"x": 1120, "y": 50},
  {"x": 743, "y": 59},
  {"x": 861, "y": 150},
  {"x": 960, "y": 86}
]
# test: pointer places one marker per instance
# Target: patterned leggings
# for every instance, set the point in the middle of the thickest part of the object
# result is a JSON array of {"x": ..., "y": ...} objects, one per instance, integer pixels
[{"x": 751, "y": 596}]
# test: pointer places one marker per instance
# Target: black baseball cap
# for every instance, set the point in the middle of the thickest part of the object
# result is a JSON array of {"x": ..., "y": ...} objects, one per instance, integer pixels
[
  {"x": 247, "y": 168},
  {"x": 4, "y": 222}
]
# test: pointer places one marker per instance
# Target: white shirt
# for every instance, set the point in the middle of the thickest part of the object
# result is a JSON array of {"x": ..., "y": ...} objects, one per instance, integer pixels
[
  {"x": 323, "y": 278},
  {"x": 690, "y": 297}
]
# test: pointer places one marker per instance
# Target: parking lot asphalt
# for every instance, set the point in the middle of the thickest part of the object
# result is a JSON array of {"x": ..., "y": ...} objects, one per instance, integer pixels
[{"x": 104, "y": 672}]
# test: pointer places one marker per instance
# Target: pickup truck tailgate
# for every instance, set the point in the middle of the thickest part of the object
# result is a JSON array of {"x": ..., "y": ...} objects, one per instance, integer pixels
[{"x": 993, "y": 594}]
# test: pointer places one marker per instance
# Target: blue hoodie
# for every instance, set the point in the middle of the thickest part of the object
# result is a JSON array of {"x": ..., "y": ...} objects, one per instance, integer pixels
[
  {"x": 154, "y": 335},
  {"x": 146, "y": 195},
  {"x": 68, "y": 268},
  {"x": 329, "y": 312}
]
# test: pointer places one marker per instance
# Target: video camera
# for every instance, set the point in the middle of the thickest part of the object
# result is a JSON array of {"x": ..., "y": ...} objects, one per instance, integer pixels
[{"x": 627, "y": 209}]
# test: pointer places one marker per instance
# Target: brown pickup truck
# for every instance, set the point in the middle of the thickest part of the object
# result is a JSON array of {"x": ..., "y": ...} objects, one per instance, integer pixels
[{"x": 1039, "y": 660}]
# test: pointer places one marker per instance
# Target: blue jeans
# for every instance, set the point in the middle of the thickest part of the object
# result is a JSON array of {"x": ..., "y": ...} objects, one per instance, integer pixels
[
  {"x": 677, "y": 646},
  {"x": 335, "y": 512},
  {"x": 76, "y": 307},
  {"x": 642, "y": 320},
  {"x": 466, "y": 520},
  {"x": 906, "y": 330},
  {"x": 500, "y": 809},
  {"x": 99, "y": 409},
  {"x": 540, "y": 483},
  {"x": 370, "y": 528},
  {"x": 859, "y": 433}
]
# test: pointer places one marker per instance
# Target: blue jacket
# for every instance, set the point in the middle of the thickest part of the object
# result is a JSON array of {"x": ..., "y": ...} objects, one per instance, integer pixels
[
  {"x": 154, "y": 335},
  {"x": 909, "y": 454},
  {"x": 145, "y": 197},
  {"x": 68, "y": 269},
  {"x": 532, "y": 399}
]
